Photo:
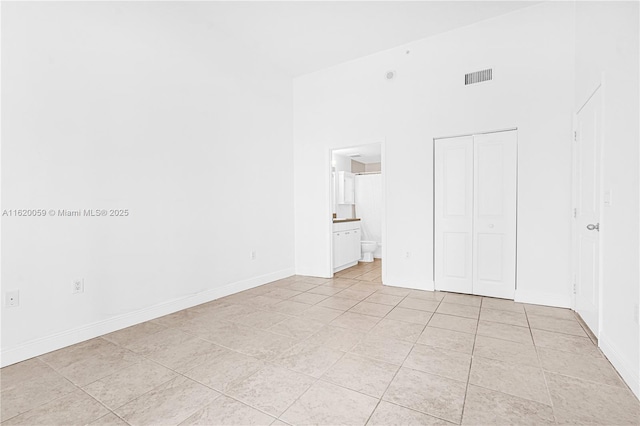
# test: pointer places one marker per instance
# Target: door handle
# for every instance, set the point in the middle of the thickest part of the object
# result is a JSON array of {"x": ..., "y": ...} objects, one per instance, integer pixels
[{"x": 592, "y": 227}]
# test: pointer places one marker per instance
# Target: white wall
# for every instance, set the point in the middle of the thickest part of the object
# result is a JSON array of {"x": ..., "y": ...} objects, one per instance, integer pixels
[
  {"x": 607, "y": 44},
  {"x": 531, "y": 52},
  {"x": 132, "y": 106}
]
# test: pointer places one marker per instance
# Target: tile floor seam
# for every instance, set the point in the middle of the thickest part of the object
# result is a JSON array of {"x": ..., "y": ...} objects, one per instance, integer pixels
[
  {"x": 582, "y": 379},
  {"x": 387, "y": 387},
  {"x": 626, "y": 385},
  {"x": 197, "y": 409},
  {"x": 316, "y": 380},
  {"x": 324, "y": 380},
  {"x": 77, "y": 388},
  {"x": 155, "y": 387},
  {"x": 413, "y": 409},
  {"x": 384, "y": 392},
  {"x": 503, "y": 340},
  {"x": 448, "y": 329},
  {"x": 512, "y": 394},
  {"x": 136, "y": 397},
  {"x": 417, "y": 411},
  {"x": 100, "y": 378},
  {"x": 432, "y": 373},
  {"x": 99, "y": 402},
  {"x": 222, "y": 394},
  {"x": 37, "y": 406},
  {"x": 560, "y": 332},
  {"x": 473, "y": 349},
  {"x": 372, "y": 358},
  {"x": 443, "y": 349},
  {"x": 544, "y": 376}
]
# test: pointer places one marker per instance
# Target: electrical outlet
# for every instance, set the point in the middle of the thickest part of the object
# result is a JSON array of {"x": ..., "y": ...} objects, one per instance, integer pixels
[
  {"x": 253, "y": 255},
  {"x": 12, "y": 299},
  {"x": 78, "y": 285},
  {"x": 407, "y": 255}
]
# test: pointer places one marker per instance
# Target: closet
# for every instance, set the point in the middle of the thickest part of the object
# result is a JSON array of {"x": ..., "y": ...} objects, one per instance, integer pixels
[{"x": 475, "y": 214}]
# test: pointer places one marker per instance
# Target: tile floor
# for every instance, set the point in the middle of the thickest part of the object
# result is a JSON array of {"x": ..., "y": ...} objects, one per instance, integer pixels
[{"x": 345, "y": 351}]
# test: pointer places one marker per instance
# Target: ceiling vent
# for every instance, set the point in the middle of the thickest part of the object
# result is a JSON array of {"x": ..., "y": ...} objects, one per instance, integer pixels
[{"x": 478, "y": 76}]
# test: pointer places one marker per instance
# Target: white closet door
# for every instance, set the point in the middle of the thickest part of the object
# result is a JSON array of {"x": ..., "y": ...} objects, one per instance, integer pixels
[
  {"x": 494, "y": 228},
  {"x": 454, "y": 214}
]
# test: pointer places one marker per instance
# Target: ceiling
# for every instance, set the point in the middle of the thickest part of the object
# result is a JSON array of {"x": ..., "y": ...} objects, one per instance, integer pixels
[
  {"x": 300, "y": 37},
  {"x": 366, "y": 154}
]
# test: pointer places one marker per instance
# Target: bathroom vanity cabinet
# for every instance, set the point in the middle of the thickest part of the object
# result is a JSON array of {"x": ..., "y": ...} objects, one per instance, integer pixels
[{"x": 346, "y": 245}]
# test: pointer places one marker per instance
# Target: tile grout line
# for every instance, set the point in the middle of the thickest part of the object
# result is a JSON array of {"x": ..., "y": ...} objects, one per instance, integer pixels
[
  {"x": 544, "y": 376},
  {"x": 473, "y": 349},
  {"x": 395, "y": 375}
]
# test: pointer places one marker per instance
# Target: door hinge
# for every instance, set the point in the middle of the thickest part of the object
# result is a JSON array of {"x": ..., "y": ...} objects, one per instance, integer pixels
[
  {"x": 575, "y": 136},
  {"x": 574, "y": 284},
  {"x": 575, "y": 212}
]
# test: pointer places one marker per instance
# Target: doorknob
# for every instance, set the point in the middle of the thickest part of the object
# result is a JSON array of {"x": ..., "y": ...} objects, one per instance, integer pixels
[{"x": 591, "y": 227}]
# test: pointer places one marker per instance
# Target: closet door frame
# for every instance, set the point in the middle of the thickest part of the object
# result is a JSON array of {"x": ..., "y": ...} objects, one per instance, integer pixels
[{"x": 510, "y": 270}]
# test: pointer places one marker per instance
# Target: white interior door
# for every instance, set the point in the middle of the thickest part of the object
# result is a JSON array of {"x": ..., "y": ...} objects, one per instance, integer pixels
[
  {"x": 587, "y": 213},
  {"x": 494, "y": 228},
  {"x": 454, "y": 214}
]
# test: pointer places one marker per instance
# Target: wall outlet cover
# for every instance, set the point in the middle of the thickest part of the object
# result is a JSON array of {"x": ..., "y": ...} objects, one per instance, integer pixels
[{"x": 78, "y": 285}]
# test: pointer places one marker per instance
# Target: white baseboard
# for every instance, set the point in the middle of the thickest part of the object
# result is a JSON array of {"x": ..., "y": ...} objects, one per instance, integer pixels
[
  {"x": 348, "y": 265},
  {"x": 56, "y": 341},
  {"x": 539, "y": 298},
  {"x": 415, "y": 285},
  {"x": 626, "y": 369}
]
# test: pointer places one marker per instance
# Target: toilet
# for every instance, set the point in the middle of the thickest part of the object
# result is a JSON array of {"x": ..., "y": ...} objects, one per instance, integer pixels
[{"x": 368, "y": 248}]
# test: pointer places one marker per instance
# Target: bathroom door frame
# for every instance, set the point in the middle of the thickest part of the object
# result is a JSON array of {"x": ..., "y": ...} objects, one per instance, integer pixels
[
  {"x": 516, "y": 197},
  {"x": 331, "y": 195}
]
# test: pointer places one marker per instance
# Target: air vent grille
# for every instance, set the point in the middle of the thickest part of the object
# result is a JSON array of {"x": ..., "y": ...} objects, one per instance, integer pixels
[{"x": 478, "y": 76}]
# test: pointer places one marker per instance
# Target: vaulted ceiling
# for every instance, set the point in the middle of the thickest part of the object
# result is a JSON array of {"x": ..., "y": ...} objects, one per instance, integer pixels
[{"x": 304, "y": 36}]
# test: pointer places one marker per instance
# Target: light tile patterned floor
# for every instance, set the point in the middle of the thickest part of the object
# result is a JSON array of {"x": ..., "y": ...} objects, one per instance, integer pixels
[{"x": 345, "y": 351}]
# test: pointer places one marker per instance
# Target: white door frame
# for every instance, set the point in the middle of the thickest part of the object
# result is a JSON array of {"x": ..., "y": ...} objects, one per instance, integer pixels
[
  {"x": 509, "y": 129},
  {"x": 574, "y": 199},
  {"x": 329, "y": 205}
]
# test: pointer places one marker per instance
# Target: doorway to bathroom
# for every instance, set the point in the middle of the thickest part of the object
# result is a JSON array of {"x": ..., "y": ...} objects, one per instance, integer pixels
[{"x": 357, "y": 205}]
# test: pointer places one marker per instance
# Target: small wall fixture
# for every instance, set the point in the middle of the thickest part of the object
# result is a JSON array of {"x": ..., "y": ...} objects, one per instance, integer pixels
[{"x": 390, "y": 75}]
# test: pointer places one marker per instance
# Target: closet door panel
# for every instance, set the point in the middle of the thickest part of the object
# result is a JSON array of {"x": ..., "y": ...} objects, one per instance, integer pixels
[
  {"x": 494, "y": 227},
  {"x": 453, "y": 214}
]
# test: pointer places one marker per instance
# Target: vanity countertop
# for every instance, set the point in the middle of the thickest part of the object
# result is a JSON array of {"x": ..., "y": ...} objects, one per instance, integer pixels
[{"x": 346, "y": 220}]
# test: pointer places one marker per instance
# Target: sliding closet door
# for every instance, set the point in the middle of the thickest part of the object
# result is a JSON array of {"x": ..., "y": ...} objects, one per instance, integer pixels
[
  {"x": 454, "y": 214},
  {"x": 494, "y": 228}
]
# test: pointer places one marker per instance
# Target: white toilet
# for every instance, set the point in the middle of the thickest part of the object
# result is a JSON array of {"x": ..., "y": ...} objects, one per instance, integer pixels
[{"x": 368, "y": 248}]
